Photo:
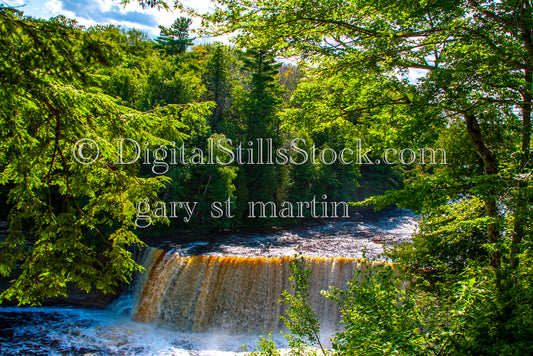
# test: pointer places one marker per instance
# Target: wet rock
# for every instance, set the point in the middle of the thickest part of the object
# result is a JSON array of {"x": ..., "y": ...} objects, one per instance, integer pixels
[{"x": 77, "y": 297}]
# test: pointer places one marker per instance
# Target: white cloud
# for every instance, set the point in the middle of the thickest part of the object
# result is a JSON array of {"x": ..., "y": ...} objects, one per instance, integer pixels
[
  {"x": 90, "y": 13},
  {"x": 52, "y": 8},
  {"x": 106, "y": 5},
  {"x": 15, "y": 2}
]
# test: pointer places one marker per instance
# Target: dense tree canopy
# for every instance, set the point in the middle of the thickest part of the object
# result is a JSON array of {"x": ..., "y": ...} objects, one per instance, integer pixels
[
  {"x": 451, "y": 77},
  {"x": 79, "y": 216},
  {"x": 477, "y": 59},
  {"x": 63, "y": 83},
  {"x": 473, "y": 98}
]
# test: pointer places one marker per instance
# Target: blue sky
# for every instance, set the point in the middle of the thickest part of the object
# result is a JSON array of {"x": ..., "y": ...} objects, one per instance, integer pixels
[{"x": 95, "y": 12}]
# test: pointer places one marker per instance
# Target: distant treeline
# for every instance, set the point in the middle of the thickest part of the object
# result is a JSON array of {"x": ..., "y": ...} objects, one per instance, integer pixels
[{"x": 252, "y": 96}]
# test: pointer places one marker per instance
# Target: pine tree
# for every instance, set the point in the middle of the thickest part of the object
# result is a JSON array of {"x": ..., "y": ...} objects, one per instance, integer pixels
[
  {"x": 262, "y": 104},
  {"x": 175, "y": 40},
  {"x": 79, "y": 214},
  {"x": 217, "y": 81}
]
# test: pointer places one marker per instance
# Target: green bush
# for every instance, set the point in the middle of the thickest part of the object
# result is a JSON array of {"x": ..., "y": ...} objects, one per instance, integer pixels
[
  {"x": 301, "y": 321},
  {"x": 448, "y": 240},
  {"x": 484, "y": 313},
  {"x": 267, "y": 347}
]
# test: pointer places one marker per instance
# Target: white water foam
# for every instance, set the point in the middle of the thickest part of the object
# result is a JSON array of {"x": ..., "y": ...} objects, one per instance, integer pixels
[{"x": 77, "y": 331}]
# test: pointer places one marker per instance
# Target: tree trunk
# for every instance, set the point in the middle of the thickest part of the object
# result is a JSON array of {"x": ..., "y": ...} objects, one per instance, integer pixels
[{"x": 491, "y": 168}]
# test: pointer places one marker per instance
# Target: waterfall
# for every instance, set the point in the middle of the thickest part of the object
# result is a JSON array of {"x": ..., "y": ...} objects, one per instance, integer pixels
[{"x": 231, "y": 294}]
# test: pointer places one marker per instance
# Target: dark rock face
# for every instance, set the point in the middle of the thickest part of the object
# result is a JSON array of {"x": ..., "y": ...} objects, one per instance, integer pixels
[{"x": 77, "y": 297}]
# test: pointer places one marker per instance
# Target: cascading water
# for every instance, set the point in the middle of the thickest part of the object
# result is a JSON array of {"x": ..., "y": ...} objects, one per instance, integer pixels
[
  {"x": 206, "y": 298},
  {"x": 200, "y": 293}
]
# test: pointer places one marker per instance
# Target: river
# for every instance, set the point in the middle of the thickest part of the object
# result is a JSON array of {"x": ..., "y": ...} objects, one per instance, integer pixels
[{"x": 209, "y": 297}]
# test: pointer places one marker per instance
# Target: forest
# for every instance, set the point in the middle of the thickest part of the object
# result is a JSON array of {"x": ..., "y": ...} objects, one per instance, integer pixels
[{"x": 447, "y": 86}]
